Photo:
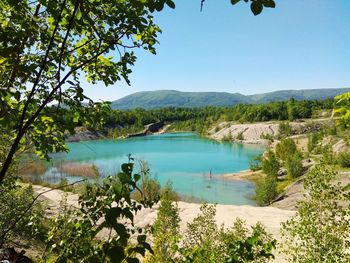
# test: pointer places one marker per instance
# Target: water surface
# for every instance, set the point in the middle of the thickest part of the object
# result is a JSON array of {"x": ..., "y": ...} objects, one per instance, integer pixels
[{"x": 184, "y": 158}]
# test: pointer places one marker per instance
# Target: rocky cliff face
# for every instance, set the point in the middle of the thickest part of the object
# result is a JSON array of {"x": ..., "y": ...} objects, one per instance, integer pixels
[
  {"x": 259, "y": 132},
  {"x": 84, "y": 134},
  {"x": 149, "y": 129}
]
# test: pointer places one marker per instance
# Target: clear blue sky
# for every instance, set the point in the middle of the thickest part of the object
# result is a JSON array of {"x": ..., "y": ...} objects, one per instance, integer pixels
[{"x": 301, "y": 44}]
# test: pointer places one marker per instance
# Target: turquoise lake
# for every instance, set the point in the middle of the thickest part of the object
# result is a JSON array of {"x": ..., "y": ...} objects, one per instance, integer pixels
[{"x": 184, "y": 158}]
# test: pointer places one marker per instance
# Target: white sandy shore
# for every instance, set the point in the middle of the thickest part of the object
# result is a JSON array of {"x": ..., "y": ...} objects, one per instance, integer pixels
[{"x": 270, "y": 217}]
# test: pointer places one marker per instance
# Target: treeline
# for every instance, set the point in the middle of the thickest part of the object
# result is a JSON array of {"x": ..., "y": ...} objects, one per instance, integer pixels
[{"x": 199, "y": 119}]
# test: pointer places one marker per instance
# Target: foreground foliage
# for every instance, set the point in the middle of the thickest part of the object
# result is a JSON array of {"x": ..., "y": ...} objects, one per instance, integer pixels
[
  {"x": 47, "y": 46},
  {"x": 204, "y": 241},
  {"x": 320, "y": 232},
  {"x": 102, "y": 228},
  {"x": 18, "y": 219}
]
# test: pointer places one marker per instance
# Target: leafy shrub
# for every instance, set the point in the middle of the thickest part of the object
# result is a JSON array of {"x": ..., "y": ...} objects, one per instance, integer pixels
[
  {"x": 319, "y": 232},
  {"x": 266, "y": 190},
  {"x": 240, "y": 136},
  {"x": 285, "y": 149},
  {"x": 343, "y": 159},
  {"x": 328, "y": 156},
  {"x": 227, "y": 138},
  {"x": 167, "y": 192},
  {"x": 103, "y": 207},
  {"x": 267, "y": 136},
  {"x": 270, "y": 164},
  {"x": 332, "y": 130},
  {"x": 313, "y": 140},
  {"x": 294, "y": 165},
  {"x": 150, "y": 187},
  {"x": 18, "y": 218},
  {"x": 204, "y": 241},
  {"x": 165, "y": 229},
  {"x": 255, "y": 163},
  {"x": 284, "y": 129}
]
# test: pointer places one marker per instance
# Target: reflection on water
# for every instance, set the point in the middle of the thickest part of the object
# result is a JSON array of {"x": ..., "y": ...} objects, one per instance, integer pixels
[{"x": 194, "y": 165}]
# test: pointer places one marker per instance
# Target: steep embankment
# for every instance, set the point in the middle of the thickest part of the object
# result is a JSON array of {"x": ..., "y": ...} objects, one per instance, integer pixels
[
  {"x": 258, "y": 132},
  {"x": 84, "y": 134}
]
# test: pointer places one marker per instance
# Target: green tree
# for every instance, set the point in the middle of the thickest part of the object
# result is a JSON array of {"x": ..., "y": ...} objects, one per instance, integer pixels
[
  {"x": 291, "y": 108},
  {"x": 150, "y": 187},
  {"x": 313, "y": 140},
  {"x": 255, "y": 163},
  {"x": 342, "y": 108},
  {"x": 294, "y": 165},
  {"x": 343, "y": 159},
  {"x": 165, "y": 229},
  {"x": 18, "y": 220},
  {"x": 284, "y": 129},
  {"x": 204, "y": 241},
  {"x": 285, "y": 149},
  {"x": 47, "y": 45},
  {"x": 270, "y": 164},
  {"x": 328, "y": 156},
  {"x": 266, "y": 190},
  {"x": 319, "y": 232}
]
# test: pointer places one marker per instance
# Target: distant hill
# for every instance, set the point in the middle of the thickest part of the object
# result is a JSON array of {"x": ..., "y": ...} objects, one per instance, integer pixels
[
  {"x": 169, "y": 98},
  {"x": 305, "y": 94},
  {"x": 173, "y": 98}
]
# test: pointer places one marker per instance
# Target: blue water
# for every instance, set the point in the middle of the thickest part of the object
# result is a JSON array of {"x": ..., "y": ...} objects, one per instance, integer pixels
[{"x": 184, "y": 158}]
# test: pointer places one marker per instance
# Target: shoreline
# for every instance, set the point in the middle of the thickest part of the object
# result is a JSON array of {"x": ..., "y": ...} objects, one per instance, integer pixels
[
  {"x": 83, "y": 135},
  {"x": 188, "y": 210},
  {"x": 241, "y": 175},
  {"x": 270, "y": 217}
]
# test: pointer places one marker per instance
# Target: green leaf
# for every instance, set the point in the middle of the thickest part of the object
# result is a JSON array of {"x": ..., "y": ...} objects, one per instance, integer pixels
[
  {"x": 148, "y": 247},
  {"x": 137, "y": 177},
  {"x": 112, "y": 215},
  {"x": 269, "y": 3},
  {"x": 346, "y": 188},
  {"x": 124, "y": 178},
  {"x": 233, "y": 2},
  {"x": 171, "y": 4},
  {"x": 159, "y": 6},
  {"x": 127, "y": 168},
  {"x": 116, "y": 253},
  {"x": 132, "y": 260},
  {"x": 256, "y": 7}
]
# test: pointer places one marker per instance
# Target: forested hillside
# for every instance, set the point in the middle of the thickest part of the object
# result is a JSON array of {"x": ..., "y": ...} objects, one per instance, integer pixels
[
  {"x": 200, "y": 119},
  {"x": 173, "y": 98}
]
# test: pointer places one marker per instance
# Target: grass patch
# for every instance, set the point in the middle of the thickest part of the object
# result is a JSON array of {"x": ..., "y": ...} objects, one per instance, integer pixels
[
  {"x": 255, "y": 177},
  {"x": 34, "y": 168},
  {"x": 79, "y": 169},
  {"x": 282, "y": 185}
]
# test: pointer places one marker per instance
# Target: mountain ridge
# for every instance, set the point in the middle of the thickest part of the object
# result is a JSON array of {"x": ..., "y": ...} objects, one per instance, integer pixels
[{"x": 174, "y": 98}]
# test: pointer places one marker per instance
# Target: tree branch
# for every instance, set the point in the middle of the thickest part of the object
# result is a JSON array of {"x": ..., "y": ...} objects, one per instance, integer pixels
[
  {"x": 21, "y": 129},
  {"x": 65, "y": 39}
]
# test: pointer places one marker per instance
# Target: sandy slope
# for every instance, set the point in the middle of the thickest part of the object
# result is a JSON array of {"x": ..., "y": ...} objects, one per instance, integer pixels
[
  {"x": 256, "y": 132},
  {"x": 270, "y": 217}
]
